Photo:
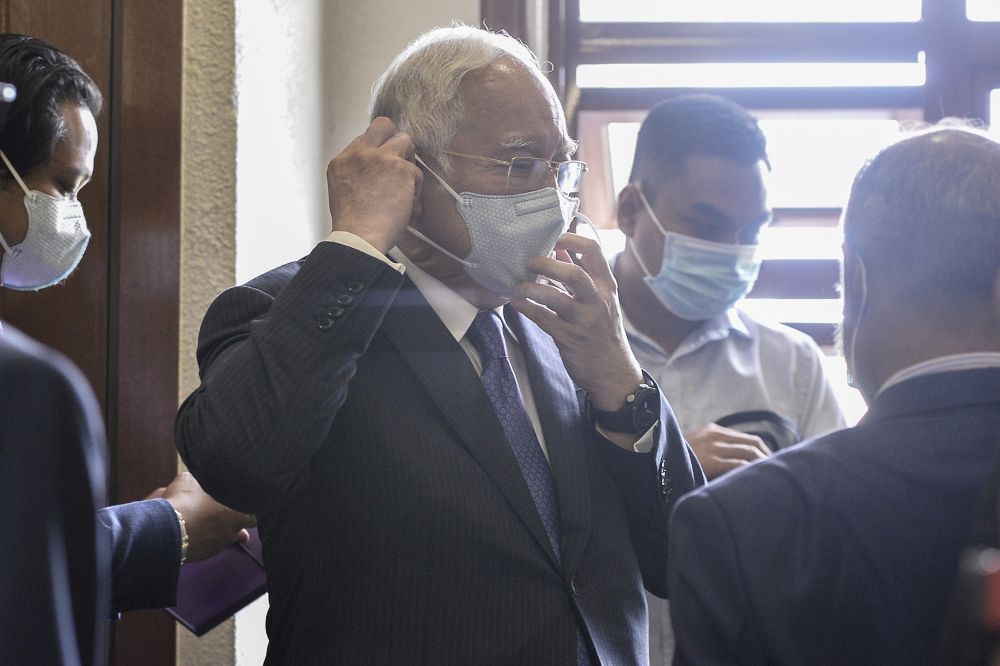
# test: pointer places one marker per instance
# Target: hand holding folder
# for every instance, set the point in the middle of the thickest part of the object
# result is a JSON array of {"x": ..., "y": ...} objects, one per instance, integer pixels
[{"x": 212, "y": 590}]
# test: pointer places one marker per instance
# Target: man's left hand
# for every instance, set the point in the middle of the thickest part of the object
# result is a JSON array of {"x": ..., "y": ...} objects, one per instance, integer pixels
[{"x": 585, "y": 323}]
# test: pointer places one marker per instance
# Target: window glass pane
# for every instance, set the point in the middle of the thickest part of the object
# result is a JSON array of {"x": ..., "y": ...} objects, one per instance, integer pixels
[
  {"x": 756, "y": 11},
  {"x": 975, "y": 10},
  {"x": 751, "y": 75},
  {"x": 813, "y": 160}
]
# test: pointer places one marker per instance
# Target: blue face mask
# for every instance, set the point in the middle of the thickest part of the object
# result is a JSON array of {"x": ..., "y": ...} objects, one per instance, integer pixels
[{"x": 699, "y": 279}]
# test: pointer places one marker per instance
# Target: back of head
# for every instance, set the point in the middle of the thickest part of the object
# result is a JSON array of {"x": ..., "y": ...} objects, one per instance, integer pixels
[
  {"x": 924, "y": 216},
  {"x": 45, "y": 78},
  {"x": 421, "y": 89},
  {"x": 694, "y": 124}
]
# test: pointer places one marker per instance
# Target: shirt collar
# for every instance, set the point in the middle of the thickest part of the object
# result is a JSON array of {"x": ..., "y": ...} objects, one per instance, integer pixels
[
  {"x": 455, "y": 312},
  {"x": 950, "y": 363},
  {"x": 716, "y": 328}
]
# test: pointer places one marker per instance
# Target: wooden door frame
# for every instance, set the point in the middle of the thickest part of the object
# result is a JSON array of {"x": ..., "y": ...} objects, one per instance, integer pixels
[{"x": 144, "y": 276}]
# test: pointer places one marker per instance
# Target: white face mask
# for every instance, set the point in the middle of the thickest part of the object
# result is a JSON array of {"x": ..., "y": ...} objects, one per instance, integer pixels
[
  {"x": 54, "y": 245},
  {"x": 506, "y": 231}
]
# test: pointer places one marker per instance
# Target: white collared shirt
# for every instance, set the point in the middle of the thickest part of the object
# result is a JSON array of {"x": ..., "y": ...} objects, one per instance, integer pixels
[
  {"x": 734, "y": 363},
  {"x": 950, "y": 363},
  {"x": 457, "y": 314}
]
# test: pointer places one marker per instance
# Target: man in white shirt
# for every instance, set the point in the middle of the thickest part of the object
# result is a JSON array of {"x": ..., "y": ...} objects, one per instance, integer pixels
[
  {"x": 692, "y": 212},
  {"x": 853, "y": 559}
]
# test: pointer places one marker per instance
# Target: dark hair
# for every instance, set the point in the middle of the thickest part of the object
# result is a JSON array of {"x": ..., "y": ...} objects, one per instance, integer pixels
[
  {"x": 924, "y": 215},
  {"x": 45, "y": 78},
  {"x": 687, "y": 125}
]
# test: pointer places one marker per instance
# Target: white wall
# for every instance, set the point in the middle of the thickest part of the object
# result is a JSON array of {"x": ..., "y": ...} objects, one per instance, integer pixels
[
  {"x": 280, "y": 161},
  {"x": 272, "y": 90}
]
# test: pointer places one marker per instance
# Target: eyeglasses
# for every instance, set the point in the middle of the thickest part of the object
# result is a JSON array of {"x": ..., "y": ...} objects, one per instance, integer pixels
[{"x": 529, "y": 172}]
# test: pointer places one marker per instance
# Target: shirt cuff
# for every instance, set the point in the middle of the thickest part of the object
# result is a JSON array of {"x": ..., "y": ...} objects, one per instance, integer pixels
[
  {"x": 642, "y": 445},
  {"x": 361, "y": 245}
]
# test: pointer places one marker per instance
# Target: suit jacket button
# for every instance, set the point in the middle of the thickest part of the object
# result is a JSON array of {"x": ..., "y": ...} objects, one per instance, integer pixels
[
  {"x": 355, "y": 286},
  {"x": 336, "y": 311},
  {"x": 344, "y": 299},
  {"x": 325, "y": 324}
]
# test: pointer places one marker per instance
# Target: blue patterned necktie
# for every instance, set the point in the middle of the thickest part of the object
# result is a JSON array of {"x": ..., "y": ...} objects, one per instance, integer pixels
[{"x": 486, "y": 335}]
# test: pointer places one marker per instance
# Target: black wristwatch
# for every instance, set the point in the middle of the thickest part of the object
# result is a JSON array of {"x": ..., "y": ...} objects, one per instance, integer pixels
[{"x": 640, "y": 413}]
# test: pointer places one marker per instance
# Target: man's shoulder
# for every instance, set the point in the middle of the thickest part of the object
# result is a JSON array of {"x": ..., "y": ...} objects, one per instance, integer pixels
[
  {"x": 23, "y": 359},
  {"x": 793, "y": 478},
  {"x": 273, "y": 281}
]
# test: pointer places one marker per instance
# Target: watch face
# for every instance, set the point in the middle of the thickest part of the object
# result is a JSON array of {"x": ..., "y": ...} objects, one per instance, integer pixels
[{"x": 646, "y": 410}]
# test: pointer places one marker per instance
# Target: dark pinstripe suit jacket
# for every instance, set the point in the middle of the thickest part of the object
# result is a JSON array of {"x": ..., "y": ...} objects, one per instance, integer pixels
[{"x": 396, "y": 525}]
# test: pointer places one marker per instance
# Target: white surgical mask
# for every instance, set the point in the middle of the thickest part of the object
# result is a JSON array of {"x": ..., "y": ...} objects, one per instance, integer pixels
[
  {"x": 699, "y": 279},
  {"x": 506, "y": 231},
  {"x": 54, "y": 245}
]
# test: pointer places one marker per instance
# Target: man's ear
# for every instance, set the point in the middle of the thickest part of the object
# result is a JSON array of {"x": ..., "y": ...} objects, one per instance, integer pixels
[
  {"x": 629, "y": 209},
  {"x": 850, "y": 280}
]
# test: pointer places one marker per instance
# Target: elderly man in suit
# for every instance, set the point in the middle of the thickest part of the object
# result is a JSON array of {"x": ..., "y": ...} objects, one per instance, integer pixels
[
  {"x": 450, "y": 461},
  {"x": 854, "y": 556}
]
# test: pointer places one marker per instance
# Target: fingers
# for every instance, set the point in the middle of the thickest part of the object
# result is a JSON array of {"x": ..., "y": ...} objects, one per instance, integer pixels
[
  {"x": 588, "y": 255},
  {"x": 379, "y": 131},
  {"x": 574, "y": 277}
]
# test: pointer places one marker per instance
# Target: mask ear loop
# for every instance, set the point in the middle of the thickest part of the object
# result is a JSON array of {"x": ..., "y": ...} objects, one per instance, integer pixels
[
  {"x": 649, "y": 209},
  {"x": 3, "y": 241},
  {"x": 422, "y": 236},
  {"x": 14, "y": 173},
  {"x": 445, "y": 185}
]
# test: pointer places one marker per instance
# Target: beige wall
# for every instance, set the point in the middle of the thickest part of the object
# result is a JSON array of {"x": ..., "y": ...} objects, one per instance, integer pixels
[{"x": 272, "y": 90}]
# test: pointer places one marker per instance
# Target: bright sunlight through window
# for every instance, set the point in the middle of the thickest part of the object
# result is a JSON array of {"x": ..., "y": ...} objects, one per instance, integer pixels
[{"x": 842, "y": 11}]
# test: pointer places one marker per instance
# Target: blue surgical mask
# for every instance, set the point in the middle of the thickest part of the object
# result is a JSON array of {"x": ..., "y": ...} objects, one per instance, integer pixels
[{"x": 699, "y": 279}]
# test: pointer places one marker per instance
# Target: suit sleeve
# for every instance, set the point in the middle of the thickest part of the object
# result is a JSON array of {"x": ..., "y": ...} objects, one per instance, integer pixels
[
  {"x": 275, "y": 358},
  {"x": 53, "y": 578},
  {"x": 707, "y": 602},
  {"x": 650, "y": 484},
  {"x": 145, "y": 554}
]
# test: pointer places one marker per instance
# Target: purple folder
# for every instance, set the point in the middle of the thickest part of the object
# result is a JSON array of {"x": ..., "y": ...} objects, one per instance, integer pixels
[{"x": 212, "y": 590}]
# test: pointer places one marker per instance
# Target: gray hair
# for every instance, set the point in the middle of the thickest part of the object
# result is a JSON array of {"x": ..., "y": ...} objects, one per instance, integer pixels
[
  {"x": 421, "y": 90},
  {"x": 924, "y": 214}
]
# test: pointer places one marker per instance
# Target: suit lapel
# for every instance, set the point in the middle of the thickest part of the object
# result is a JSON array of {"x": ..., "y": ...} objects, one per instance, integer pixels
[
  {"x": 445, "y": 372},
  {"x": 559, "y": 410}
]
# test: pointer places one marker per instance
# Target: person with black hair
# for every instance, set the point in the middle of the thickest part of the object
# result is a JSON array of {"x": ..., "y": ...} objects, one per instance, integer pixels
[
  {"x": 692, "y": 213},
  {"x": 855, "y": 554},
  {"x": 67, "y": 563}
]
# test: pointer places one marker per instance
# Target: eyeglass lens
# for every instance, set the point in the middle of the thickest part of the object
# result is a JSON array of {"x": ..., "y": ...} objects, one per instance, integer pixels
[{"x": 536, "y": 171}]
